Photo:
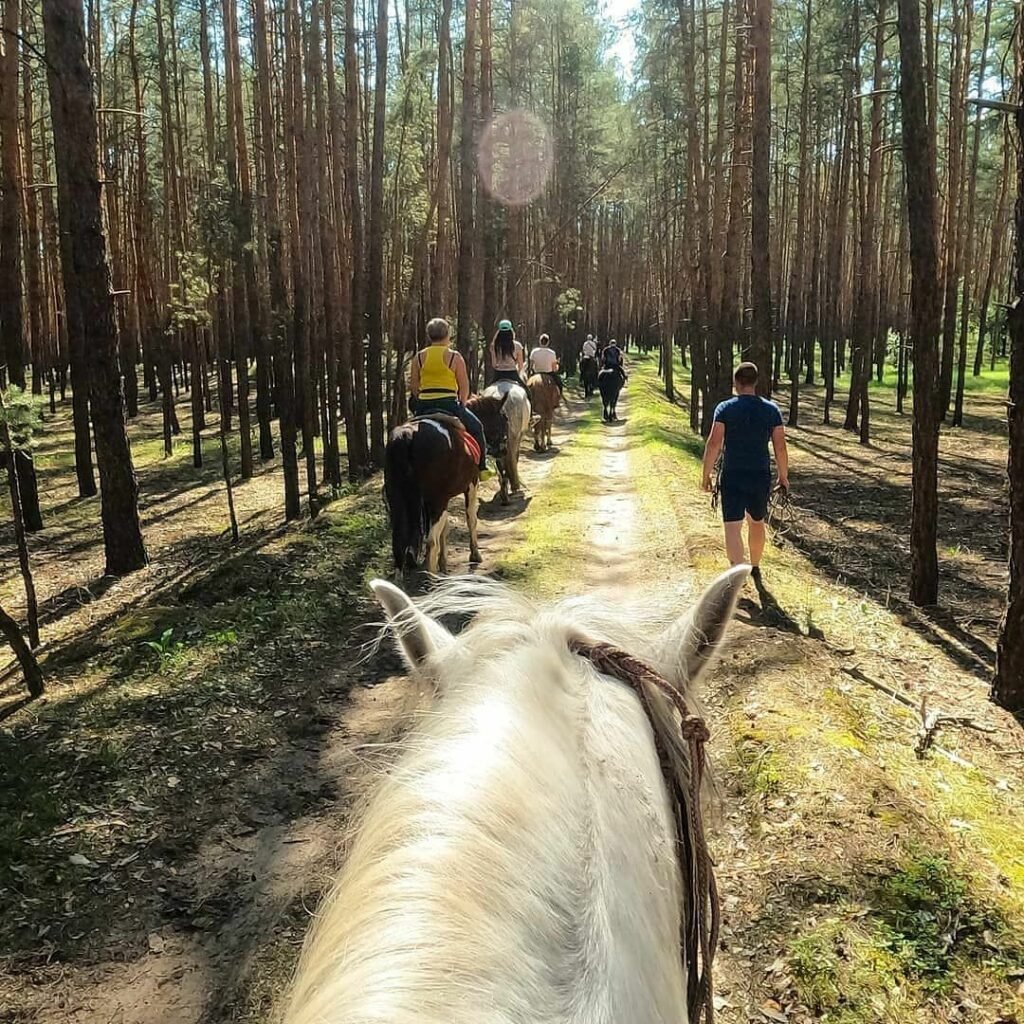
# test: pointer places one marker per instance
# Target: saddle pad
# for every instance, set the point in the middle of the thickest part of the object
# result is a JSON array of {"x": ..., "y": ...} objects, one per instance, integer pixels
[
  {"x": 455, "y": 424},
  {"x": 472, "y": 448}
]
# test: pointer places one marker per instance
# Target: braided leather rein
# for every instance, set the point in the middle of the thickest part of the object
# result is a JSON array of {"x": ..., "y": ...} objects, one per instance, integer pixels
[{"x": 700, "y": 915}]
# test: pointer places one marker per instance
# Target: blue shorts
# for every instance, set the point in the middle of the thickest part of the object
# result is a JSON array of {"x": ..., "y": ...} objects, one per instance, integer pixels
[{"x": 745, "y": 496}]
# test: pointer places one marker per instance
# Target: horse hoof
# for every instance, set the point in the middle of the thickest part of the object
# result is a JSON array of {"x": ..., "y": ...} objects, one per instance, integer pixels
[{"x": 475, "y": 558}]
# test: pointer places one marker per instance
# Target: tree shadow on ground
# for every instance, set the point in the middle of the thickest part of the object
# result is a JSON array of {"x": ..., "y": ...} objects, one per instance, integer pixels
[
  {"x": 177, "y": 751},
  {"x": 856, "y": 531}
]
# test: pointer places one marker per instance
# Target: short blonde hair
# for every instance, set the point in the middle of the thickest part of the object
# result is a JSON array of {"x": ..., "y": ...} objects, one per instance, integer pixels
[{"x": 438, "y": 329}]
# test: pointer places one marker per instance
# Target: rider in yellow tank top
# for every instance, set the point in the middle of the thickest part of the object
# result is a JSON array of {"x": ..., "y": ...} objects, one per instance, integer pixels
[
  {"x": 439, "y": 382},
  {"x": 437, "y": 378}
]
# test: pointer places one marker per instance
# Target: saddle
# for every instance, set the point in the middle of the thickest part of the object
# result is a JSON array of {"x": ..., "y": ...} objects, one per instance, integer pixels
[{"x": 453, "y": 423}]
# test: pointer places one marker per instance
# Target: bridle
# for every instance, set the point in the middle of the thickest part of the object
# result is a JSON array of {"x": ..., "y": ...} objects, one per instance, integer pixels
[{"x": 700, "y": 914}]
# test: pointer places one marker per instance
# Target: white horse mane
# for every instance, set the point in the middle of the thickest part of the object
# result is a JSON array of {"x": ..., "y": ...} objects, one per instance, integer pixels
[{"x": 518, "y": 863}]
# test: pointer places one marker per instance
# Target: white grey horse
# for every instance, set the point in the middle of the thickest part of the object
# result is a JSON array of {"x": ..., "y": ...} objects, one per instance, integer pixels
[
  {"x": 519, "y": 863},
  {"x": 516, "y": 410}
]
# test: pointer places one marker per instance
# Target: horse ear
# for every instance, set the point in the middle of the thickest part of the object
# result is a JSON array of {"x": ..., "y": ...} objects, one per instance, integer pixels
[
  {"x": 691, "y": 647},
  {"x": 418, "y": 635}
]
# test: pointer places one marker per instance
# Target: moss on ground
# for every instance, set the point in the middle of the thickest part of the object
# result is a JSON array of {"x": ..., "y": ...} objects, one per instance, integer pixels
[{"x": 549, "y": 540}]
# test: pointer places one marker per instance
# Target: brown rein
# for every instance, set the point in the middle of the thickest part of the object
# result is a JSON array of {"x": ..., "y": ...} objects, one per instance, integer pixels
[{"x": 700, "y": 909}]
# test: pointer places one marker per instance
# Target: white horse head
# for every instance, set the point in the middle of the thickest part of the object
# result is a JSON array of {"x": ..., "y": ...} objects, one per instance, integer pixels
[{"x": 519, "y": 863}]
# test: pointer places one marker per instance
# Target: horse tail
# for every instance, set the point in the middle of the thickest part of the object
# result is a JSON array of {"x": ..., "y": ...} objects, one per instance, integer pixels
[{"x": 404, "y": 499}]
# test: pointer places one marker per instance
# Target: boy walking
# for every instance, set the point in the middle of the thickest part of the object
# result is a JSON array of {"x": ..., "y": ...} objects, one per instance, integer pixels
[{"x": 743, "y": 426}]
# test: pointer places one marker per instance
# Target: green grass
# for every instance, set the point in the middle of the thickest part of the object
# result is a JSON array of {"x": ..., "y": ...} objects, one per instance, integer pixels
[
  {"x": 550, "y": 538},
  {"x": 844, "y": 973},
  {"x": 991, "y": 382}
]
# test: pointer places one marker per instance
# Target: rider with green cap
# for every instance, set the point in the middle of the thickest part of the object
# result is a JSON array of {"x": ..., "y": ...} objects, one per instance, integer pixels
[{"x": 507, "y": 355}]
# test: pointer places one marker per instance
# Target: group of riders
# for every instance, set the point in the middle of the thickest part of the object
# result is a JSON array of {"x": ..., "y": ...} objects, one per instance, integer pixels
[{"x": 439, "y": 378}]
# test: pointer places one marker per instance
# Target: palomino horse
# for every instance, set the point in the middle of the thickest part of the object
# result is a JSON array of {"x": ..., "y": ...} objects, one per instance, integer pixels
[
  {"x": 520, "y": 861},
  {"x": 588, "y": 375},
  {"x": 428, "y": 461},
  {"x": 545, "y": 398},
  {"x": 506, "y": 431},
  {"x": 610, "y": 382}
]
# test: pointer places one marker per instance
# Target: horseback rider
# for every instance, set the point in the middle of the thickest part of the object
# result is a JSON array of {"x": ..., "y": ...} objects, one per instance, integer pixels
[
  {"x": 507, "y": 355},
  {"x": 543, "y": 360},
  {"x": 613, "y": 359},
  {"x": 439, "y": 382},
  {"x": 744, "y": 426},
  {"x": 590, "y": 347}
]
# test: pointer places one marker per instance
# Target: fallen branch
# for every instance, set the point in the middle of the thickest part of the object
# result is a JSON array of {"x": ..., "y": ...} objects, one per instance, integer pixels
[
  {"x": 930, "y": 721},
  {"x": 855, "y": 673}
]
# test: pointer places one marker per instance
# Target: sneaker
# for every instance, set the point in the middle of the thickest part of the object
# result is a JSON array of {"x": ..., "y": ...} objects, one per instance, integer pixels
[{"x": 486, "y": 474}]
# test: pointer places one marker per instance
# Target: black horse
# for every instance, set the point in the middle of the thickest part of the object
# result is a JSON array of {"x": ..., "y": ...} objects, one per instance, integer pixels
[
  {"x": 588, "y": 375},
  {"x": 610, "y": 381}
]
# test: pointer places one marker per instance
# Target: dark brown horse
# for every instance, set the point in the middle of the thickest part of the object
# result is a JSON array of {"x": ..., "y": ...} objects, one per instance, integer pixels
[
  {"x": 428, "y": 461},
  {"x": 588, "y": 375}
]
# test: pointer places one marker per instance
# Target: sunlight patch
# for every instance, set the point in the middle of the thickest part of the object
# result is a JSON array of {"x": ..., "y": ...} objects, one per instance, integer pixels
[{"x": 515, "y": 157}]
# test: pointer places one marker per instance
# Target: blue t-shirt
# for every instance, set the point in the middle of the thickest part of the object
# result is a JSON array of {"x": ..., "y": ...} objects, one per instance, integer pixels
[{"x": 749, "y": 421}]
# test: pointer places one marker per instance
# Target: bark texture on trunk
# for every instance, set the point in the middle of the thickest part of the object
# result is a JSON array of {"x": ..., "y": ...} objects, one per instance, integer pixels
[
  {"x": 87, "y": 274},
  {"x": 919, "y": 160},
  {"x": 1008, "y": 683},
  {"x": 760, "y": 269}
]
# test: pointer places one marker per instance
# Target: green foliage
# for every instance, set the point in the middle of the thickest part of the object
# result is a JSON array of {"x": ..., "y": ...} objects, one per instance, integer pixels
[
  {"x": 930, "y": 917},
  {"x": 166, "y": 647},
  {"x": 190, "y": 295},
  {"x": 21, "y": 414},
  {"x": 569, "y": 305},
  {"x": 843, "y": 972},
  {"x": 217, "y": 214}
]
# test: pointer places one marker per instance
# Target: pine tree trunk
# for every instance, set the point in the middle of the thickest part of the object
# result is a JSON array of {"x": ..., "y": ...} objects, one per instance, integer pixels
[
  {"x": 730, "y": 322},
  {"x": 467, "y": 172},
  {"x": 999, "y": 224},
  {"x": 796, "y": 317},
  {"x": 284, "y": 397},
  {"x": 857, "y": 412},
  {"x": 919, "y": 161},
  {"x": 11, "y": 321},
  {"x": 960, "y": 47},
  {"x": 375, "y": 259},
  {"x": 10, "y": 453},
  {"x": 1008, "y": 682},
  {"x": 29, "y": 665},
  {"x": 87, "y": 274},
  {"x": 761, "y": 348},
  {"x": 358, "y": 447}
]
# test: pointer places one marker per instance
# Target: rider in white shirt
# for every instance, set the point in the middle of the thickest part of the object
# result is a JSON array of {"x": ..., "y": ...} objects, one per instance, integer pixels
[
  {"x": 590, "y": 346},
  {"x": 544, "y": 360}
]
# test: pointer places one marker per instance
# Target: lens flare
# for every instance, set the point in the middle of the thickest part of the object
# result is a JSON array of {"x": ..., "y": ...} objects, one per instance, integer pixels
[{"x": 515, "y": 157}]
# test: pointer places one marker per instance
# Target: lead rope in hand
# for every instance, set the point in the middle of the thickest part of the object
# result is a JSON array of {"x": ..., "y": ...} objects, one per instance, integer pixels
[{"x": 700, "y": 912}]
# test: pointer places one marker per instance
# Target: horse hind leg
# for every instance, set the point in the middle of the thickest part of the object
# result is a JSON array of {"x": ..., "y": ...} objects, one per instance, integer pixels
[
  {"x": 471, "y": 523},
  {"x": 435, "y": 560},
  {"x": 504, "y": 490}
]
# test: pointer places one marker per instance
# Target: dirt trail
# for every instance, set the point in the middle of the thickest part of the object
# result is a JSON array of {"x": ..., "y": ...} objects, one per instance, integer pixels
[{"x": 612, "y": 517}]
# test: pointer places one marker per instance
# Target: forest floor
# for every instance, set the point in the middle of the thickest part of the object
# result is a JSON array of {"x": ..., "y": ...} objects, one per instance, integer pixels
[{"x": 175, "y": 805}]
